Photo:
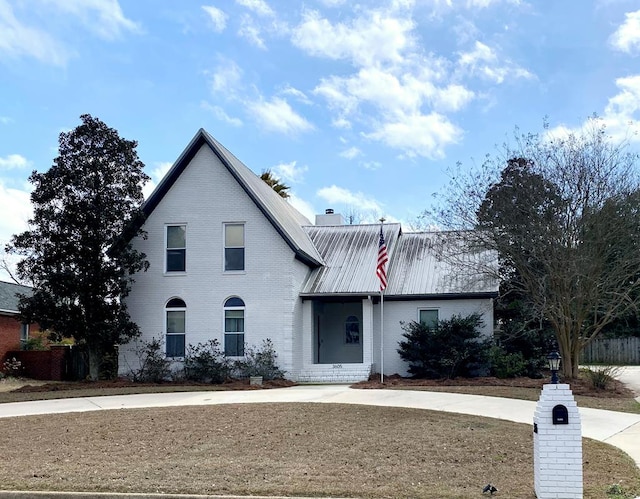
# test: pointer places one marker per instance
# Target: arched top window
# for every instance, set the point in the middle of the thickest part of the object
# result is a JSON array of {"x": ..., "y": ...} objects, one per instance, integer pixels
[
  {"x": 175, "y": 324},
  {"x": 234, "y": 327},
  {"x": 176, "y": 303},
  {"x": 234, "y": 302}
]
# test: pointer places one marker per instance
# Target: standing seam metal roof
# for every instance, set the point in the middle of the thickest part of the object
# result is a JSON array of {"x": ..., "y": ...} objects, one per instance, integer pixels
[{"x": 416, "y": 267}]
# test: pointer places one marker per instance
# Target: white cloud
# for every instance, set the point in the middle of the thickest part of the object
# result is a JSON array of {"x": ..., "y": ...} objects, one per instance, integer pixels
[
  {"x": 483, "y": 62},
  {"x": 18, "y": 40},
  {"x": 337, "y": 195},
  {"x": 351, "y": 153},
  {"x": 418, "y": 134},
  {"x": 371, "y": 165},
  {"x": 290, "y": 172},
  {"x": 13, "y": 161},
  {"x": 621, "y": 116},
  {"x": 341, "y": 122},
  {"x": 5, "y": 120},
  {"x": 294, "y": 92},
  {"x": 302, "y": 206},
  {"x": 627, "y": 36},
  {"x": 157, "y": 174},
  {"x": 104, "y": 17},
  {"x": 217, "y": 17},
  {"x": 221, "y": 114},
  {"x": 252, "y": 32},
  {"x": 260, "y": 7},
  {"x": 367, "y": 41},
  {"x": 227, "y": 78},
  {"x": 277, "y": 115}
]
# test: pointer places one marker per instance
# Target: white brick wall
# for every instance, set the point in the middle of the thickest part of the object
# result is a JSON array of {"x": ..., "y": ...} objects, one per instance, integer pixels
[
  {"x": 557, "y": 449},
  {"x": 204, "y": 197}
]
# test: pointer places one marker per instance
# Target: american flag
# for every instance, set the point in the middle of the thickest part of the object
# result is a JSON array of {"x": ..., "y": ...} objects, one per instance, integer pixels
[{"x": 383, "y": 258}]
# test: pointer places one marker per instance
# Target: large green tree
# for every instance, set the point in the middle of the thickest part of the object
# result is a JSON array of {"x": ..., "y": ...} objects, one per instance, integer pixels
[
  {"x": 76, "y": 252},
  {"x": 562, "y": 214}
]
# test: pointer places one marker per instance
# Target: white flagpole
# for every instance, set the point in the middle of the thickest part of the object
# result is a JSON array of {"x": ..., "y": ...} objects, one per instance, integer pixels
[{"x": 381, "y": 336}]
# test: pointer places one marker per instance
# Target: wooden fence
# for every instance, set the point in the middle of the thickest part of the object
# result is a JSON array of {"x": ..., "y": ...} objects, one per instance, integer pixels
[{"x": 615, "y": 351}]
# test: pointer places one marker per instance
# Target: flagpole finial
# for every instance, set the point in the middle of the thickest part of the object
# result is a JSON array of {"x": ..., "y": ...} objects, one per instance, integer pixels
[{"x": 382, "y": 219}]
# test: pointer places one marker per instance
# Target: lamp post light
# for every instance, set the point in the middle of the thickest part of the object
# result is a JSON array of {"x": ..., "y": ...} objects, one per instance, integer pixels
[{"x": 554, "y": 364}]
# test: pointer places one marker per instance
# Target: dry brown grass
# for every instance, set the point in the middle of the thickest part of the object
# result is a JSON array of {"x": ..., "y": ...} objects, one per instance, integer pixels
[{"x": 286, "y": 449}]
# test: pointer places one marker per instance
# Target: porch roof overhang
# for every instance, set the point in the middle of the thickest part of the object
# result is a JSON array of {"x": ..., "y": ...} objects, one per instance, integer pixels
[{"x": 415, "y": 297}]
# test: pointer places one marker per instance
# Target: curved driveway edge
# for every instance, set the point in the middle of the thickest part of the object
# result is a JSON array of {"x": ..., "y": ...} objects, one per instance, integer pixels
[{"x": 616, "y": 428}]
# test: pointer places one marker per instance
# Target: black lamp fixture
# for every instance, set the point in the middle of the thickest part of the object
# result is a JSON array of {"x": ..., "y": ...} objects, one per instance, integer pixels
[{"x": 554, "y": 364}]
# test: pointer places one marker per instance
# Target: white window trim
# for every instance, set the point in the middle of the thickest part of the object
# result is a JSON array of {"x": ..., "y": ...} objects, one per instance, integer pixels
[
  {"x": 165, "y": 249},
  {"x": 224, "y": 247},
  {"x": 164, "y": 325},
  {"x": 224, "y": 325}
]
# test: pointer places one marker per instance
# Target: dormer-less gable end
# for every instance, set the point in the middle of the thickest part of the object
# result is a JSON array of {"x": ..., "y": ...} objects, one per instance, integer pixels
[{"x": 286, "y": 220}]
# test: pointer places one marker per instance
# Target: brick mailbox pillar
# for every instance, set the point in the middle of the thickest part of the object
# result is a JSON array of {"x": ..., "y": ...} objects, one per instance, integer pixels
[{"x": 557, "y": 445}]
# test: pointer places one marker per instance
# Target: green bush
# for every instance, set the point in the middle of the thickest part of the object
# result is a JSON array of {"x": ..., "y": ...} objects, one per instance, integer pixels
[
  {"x": 259, "y": 362},
  {"x": 154, "y": 367},
  {"x": 34, "y": 343},
  {"x": 452, "y": 348},
  {"x": 206, "y": 363},
  {"x": 508, "y": 365}
]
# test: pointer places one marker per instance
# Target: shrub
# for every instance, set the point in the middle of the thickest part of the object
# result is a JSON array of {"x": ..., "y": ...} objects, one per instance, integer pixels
[
  {"x": 12, "y": 367},
  {"x": 206, "y": 363},
  {"x": 508, "y": 365},
  {"x": 600, "y": 377},
  {"x": 154, "y": 367},
  {"x": 260, "y": 362},
  {"x": 452, "y": 348},
  {"x": 34, "y": 343}
]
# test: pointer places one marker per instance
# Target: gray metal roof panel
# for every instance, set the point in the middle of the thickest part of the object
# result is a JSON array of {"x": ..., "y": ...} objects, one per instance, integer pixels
[
  {"x": 423, "y": 265},
  {"x": 416, "y": 264},
  {"x": 350, "y": 253}
]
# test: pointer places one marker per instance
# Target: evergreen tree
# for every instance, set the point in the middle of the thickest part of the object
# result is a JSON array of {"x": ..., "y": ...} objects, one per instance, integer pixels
[{"x": 76, "y": 253}]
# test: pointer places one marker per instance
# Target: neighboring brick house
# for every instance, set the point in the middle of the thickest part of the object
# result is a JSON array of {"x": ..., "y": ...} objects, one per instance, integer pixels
[
  {"x": 12, "y": 331},
  {"x": 232, "y": 260}
]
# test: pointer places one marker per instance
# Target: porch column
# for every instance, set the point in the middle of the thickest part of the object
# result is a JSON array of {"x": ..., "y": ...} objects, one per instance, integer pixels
[
  {"x": 307, "y": 333},
  {"x": 367, "y": 331}
]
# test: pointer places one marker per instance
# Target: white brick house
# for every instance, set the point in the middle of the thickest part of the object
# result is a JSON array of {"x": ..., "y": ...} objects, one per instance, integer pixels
[{"x": 232, "y": 260}]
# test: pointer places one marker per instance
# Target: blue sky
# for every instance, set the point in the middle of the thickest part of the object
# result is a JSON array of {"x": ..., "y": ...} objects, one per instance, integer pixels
[{"x": 358, "y": 106}]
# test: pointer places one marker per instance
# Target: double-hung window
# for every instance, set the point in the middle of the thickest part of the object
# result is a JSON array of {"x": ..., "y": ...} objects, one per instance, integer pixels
[
  {"x": 233, "y": 247},
  {"x": 428, "y": 317},
  {"x": 176, "y": 312},
  {"x": 176, "y": 248},
  {"x": 234, "y": 327}
]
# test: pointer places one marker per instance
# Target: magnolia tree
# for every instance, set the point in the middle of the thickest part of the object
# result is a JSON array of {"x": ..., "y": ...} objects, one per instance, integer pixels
[
  {"x": 562, "y": 212},
  {"x": 76, "y": 252}
]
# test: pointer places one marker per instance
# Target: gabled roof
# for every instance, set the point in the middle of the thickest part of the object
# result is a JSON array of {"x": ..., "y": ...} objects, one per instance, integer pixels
[
  {"x": 285, "y": 218},
  {"x": 416, "y": 268},
  {"x": 9, "y": 296}
]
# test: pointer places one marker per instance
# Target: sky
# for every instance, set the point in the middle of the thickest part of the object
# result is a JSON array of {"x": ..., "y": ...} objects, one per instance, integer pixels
[{"x": 360, "y": 106}]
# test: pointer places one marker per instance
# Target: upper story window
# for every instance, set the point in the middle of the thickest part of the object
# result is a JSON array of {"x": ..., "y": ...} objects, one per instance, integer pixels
[
  {"x": 352, "y": 330},
  {"x": 233, "y": 247},
  {"x": 428, "y": 317},
  {"x": 234, "y": 327},
  {"x": 176, "y": 314},
  {"x": 176, "y": 248}
]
